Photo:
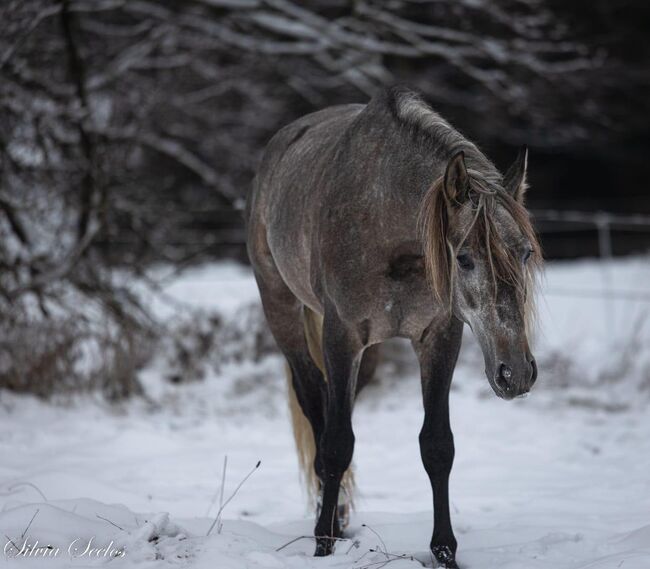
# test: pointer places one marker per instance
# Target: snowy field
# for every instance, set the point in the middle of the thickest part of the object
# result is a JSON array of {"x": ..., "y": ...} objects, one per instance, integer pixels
[{"x": 559, "y": 480}]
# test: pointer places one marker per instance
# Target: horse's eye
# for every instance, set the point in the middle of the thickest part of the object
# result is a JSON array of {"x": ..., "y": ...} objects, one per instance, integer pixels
[
  {"x": 465, "y": 262},
  {"x": 527, "y": 255}
]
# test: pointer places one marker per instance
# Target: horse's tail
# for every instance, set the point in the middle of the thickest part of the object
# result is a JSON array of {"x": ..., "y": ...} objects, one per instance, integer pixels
[{"x": 302, "y": 430}]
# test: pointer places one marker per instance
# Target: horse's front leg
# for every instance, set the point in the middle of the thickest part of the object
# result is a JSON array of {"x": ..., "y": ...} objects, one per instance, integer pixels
[
  {"x": 437, "y": 352},
  {"x": 342, "y": 350}
]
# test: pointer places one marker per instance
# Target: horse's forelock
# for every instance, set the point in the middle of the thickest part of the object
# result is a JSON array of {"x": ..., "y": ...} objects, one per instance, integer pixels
[
  {"x": 505, "y": 263},
  {"x": 434, "y": 228}
]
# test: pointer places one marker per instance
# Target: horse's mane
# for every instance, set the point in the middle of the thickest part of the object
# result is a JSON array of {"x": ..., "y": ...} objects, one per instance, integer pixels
[
  {"x": 413, "y": 113},
  {"x": 485, "y": 193}
]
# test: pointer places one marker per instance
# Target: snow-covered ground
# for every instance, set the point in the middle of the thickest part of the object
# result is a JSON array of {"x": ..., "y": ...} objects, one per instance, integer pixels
[{"x": 558, "y": 480}]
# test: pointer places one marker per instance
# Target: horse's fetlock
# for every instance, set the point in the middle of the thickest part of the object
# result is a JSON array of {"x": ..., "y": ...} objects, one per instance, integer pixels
[{"x": 445, "y": 540}]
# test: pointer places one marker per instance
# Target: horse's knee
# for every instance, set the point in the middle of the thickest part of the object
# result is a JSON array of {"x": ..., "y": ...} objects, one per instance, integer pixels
[
  {"x": 337, "y": 449},
  {"x": 437, "y": 453}
]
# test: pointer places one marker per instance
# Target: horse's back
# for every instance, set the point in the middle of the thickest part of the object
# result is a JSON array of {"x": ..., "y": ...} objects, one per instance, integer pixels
[
  {"x": 295, "y": 150},
  {"x": 285, "y": 192}
]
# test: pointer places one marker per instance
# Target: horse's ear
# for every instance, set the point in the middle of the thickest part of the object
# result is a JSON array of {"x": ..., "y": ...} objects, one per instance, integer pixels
[
  {"x": 456, "y": 181},
  {"x": 514, "y": 181}
]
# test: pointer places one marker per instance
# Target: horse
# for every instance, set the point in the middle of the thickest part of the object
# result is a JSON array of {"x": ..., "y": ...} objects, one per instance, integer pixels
[{"x": 369, "y": 222}]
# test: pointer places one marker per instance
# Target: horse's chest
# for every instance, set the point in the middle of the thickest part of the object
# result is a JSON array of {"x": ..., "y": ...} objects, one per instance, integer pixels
[
  {"x": 388, "y": 293},
  {"x": 405, "y": 309}
]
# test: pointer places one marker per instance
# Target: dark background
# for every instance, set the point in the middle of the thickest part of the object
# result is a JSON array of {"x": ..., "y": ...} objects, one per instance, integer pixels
[
  {"x": 149, "y": 117},
  {"x": 130, "y": 131}
]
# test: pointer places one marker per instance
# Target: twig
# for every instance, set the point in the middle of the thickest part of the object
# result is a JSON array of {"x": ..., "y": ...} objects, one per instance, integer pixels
[
  {"x": 110, "y": 522},
  {"x": 11, "y": 488},
  {"x": 12, "y": 542},
  {"x": 310, "y": 537},
  {"x": 389, "y": 557},
  {"x": 29, "y": 524},
  {"x": 294, "y": 541},
  {"x": 384, "y": 562},
  {"x": 378, "y": 537},
  {"x": 397, "y": 555},
  {"x": 219, "y": 491},
  {"x": 355, "y": 543},
  {"x": 360, "y": 558},
  {"x": 218, "y": 517},
  {"x": 223, "y": 480},
  {"x": 22, "y": 535}
]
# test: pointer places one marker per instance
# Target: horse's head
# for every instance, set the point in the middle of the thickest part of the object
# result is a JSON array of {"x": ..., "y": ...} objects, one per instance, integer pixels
[{"x": 481, "y": 256}]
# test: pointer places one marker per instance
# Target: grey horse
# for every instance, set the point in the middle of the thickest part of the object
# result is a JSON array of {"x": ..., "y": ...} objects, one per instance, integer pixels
[{"x": 369, "y": 222}]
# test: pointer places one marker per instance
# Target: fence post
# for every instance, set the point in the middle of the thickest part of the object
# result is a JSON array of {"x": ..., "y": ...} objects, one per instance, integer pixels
[{"x": 603, "y": 223}]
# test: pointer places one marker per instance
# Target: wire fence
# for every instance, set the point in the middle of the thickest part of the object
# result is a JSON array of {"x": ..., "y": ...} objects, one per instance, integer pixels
[
  {"x": 549, "y": 221},
  {"x": 604, "y": 224}
]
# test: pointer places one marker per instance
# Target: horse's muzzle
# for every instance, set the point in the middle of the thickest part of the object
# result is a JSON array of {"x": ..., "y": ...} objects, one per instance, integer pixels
[{"x": 510, "y": 383}]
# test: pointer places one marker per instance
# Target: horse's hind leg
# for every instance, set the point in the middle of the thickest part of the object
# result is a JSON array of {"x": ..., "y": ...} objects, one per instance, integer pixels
[
  {"x": 343, "y": 351},
  {"x": 284, "y": 315}
]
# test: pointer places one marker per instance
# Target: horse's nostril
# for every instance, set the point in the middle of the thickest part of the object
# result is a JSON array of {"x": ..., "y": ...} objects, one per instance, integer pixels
[
  {"x": 503, "y": 378},
  {"x": 533, "y": 376}
]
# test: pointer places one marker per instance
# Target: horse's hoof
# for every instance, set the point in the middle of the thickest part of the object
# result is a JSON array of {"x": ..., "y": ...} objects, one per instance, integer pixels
[
  {"x": 444, "y": 556},
  {"x": 324, "y": 546}
]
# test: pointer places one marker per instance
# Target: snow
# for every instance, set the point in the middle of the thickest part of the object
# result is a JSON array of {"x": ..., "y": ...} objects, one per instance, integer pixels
[{"x": 558, "y": 480}]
